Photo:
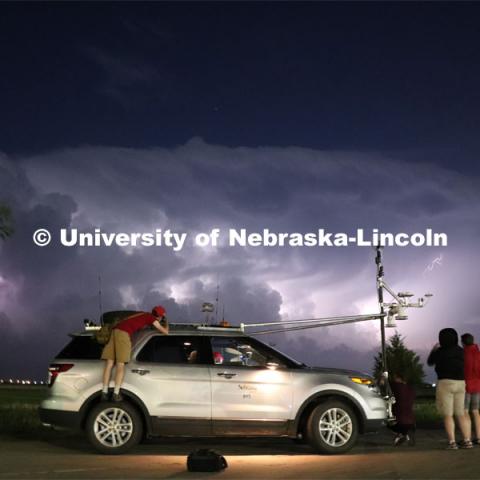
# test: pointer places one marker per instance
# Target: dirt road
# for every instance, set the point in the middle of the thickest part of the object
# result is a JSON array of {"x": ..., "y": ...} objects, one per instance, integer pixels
[{"x": 70, "y": 457}]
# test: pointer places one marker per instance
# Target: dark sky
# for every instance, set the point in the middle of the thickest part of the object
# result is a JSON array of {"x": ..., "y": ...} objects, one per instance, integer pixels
[
  {"x": 289, "y": 116},
  {"x": 323, "y": 75}
]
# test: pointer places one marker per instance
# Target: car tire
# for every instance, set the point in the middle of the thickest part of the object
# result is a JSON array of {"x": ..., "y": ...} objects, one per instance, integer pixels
[
  {"x": 332, "y": 427},
  {"x": 114, "y": 428}
]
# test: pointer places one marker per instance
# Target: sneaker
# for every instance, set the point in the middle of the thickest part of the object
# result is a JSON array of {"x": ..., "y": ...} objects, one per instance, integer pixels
[
  {"x": 117, "y": 397},
  {"x": 411, "y": 439},
  {"x": 399, "y": 439},
  {"x": 104, "y": 397},
  {"x": 452, "y": 446},
  {"x": 476, "y": 441},
  {"x": 465, "y": 444}
]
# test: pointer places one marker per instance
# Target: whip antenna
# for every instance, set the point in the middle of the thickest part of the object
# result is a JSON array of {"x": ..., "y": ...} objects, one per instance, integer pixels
[
  {"x": 100, "y": 306},
  {"x": 216, "y": 303}
]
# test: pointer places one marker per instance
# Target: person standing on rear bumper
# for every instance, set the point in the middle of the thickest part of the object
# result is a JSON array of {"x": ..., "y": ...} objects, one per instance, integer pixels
[{"x": 118, "y": 350}]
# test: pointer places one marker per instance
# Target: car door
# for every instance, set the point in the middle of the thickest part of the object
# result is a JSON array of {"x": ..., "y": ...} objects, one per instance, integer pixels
[
  {"x": 251, "y": 388},
  {"x": 171, "y": 374}
]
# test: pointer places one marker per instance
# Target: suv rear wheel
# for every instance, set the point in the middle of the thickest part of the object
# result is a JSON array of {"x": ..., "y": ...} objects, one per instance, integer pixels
[
  {"x": 114, "y": 428},
  {"x": 332, "y": 427}
]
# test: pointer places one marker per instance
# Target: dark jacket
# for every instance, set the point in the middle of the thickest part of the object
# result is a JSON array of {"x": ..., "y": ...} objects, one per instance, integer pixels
[
  {"x": 448, "y": 358},
  {"x": 404, "y": 399}
]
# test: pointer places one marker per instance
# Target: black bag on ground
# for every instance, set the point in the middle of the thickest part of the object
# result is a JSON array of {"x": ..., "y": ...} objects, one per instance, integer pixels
[{"x": 205, "y": 460}]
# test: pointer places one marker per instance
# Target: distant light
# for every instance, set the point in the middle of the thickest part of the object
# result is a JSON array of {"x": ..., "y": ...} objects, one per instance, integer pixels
[{"x": 434, "y": 385}]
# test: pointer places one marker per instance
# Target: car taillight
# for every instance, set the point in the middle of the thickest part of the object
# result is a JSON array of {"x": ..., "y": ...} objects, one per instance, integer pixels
[{"x": 55, "y": 369}]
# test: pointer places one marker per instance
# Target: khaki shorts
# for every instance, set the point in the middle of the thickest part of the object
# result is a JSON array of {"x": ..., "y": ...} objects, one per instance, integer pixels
[
  {"x": 450, "y": 397},
  {"x": 118, "y": 348}
]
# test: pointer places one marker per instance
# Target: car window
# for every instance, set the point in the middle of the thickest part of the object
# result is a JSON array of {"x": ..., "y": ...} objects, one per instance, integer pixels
[
  {"x": 171, "y": 349},
  {"x": 83, "y": 347},
  {"x": 242, "y": 352}
]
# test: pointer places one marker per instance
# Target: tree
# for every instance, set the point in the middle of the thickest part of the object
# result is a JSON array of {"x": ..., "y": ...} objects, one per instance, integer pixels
[
  {"x": 6, "y": 223},
  {"x": 400, "y": 360}
]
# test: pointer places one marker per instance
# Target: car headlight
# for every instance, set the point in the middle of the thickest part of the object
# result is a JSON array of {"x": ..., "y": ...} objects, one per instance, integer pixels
[{"x": 362, "y": 380}]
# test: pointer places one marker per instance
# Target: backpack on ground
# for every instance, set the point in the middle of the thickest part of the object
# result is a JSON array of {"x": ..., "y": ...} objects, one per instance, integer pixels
[{"x": 206, "y": 460}]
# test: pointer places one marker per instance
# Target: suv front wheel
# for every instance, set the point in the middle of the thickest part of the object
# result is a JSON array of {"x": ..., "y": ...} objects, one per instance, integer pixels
[
  {"x": 332, "y": 427},
  {"x": 114, "y": 428}
]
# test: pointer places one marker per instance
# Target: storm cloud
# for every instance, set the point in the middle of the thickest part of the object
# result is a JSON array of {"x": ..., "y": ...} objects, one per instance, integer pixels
[{"x": 46, "y": 292}]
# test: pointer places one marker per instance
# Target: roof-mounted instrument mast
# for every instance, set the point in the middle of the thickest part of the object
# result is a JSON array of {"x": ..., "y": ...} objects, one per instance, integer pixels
[
  {"x": 395, "y": 311},
  {"x": 388, "y": 311}
]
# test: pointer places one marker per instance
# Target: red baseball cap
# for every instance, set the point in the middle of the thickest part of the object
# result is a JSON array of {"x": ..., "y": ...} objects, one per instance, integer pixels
[{"x": 159, "y": 311}]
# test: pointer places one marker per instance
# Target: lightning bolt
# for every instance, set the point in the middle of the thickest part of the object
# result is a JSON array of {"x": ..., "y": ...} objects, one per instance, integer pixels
[{"x": 438, "y": 261}]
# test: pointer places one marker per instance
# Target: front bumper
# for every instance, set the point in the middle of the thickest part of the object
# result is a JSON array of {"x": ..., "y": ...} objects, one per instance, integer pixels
[
  {"x": 59, "y": 418},
  {"x": 374, "y": 425}
]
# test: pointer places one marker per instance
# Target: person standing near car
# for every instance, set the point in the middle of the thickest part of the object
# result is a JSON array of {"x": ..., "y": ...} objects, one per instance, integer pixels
[
  {"x": 447, "y": 356},
  {"x": 472, "y": 381},
  {"x": 403, "y": 409},
  {"x": 118, "y": 350}
]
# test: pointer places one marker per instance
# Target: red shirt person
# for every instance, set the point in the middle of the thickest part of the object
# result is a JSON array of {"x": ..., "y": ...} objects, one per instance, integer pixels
[
  {"x": 471, "y": 367},
  {"x": 119, "y": 347},
  {"x": 472, "y": 384},
  {"x": 403, "y": 410},
  {"x": 136, "y": 322}
]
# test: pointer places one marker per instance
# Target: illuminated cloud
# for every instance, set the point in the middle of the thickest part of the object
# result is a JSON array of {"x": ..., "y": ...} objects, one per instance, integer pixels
[{"x": 196, "y": 187}]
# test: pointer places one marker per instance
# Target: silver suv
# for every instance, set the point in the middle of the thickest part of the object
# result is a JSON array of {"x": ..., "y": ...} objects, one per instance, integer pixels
[{"x": 209, "y": 381}]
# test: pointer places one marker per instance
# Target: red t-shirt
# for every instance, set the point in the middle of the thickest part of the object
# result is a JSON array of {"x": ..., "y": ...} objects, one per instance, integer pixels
[
  {"x": 472, "y": 368},
  {"x": 136, "y": 322}
]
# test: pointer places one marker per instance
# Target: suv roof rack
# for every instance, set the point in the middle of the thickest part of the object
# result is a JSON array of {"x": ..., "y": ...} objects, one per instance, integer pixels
[
  {"x": 91, "y": 327},
  {"x": 205, "y": 326}
]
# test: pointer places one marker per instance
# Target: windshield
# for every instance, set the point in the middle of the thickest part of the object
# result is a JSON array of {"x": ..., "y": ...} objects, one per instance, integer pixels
[{"x": 288, "y": 360}]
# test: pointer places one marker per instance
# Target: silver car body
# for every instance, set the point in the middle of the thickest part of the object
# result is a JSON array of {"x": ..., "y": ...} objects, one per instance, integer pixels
[{"x": 212, "y": 399}]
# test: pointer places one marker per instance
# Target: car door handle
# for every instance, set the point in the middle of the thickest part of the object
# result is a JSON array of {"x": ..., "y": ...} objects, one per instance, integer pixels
[
  {"x": 226, "y": 374},
  {"x": 140, "y": 371}
]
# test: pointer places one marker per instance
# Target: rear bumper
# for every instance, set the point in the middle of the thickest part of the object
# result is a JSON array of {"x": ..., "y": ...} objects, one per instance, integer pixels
[{"x": 59, "y": 418}]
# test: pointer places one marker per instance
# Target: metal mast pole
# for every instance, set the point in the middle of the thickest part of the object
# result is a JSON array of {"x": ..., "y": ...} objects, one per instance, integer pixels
[{"x": 380, "y": 273}]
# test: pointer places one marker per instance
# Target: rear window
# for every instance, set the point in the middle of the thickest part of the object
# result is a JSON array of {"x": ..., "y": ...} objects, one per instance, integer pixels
[{"x": 81, "y": 348}]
